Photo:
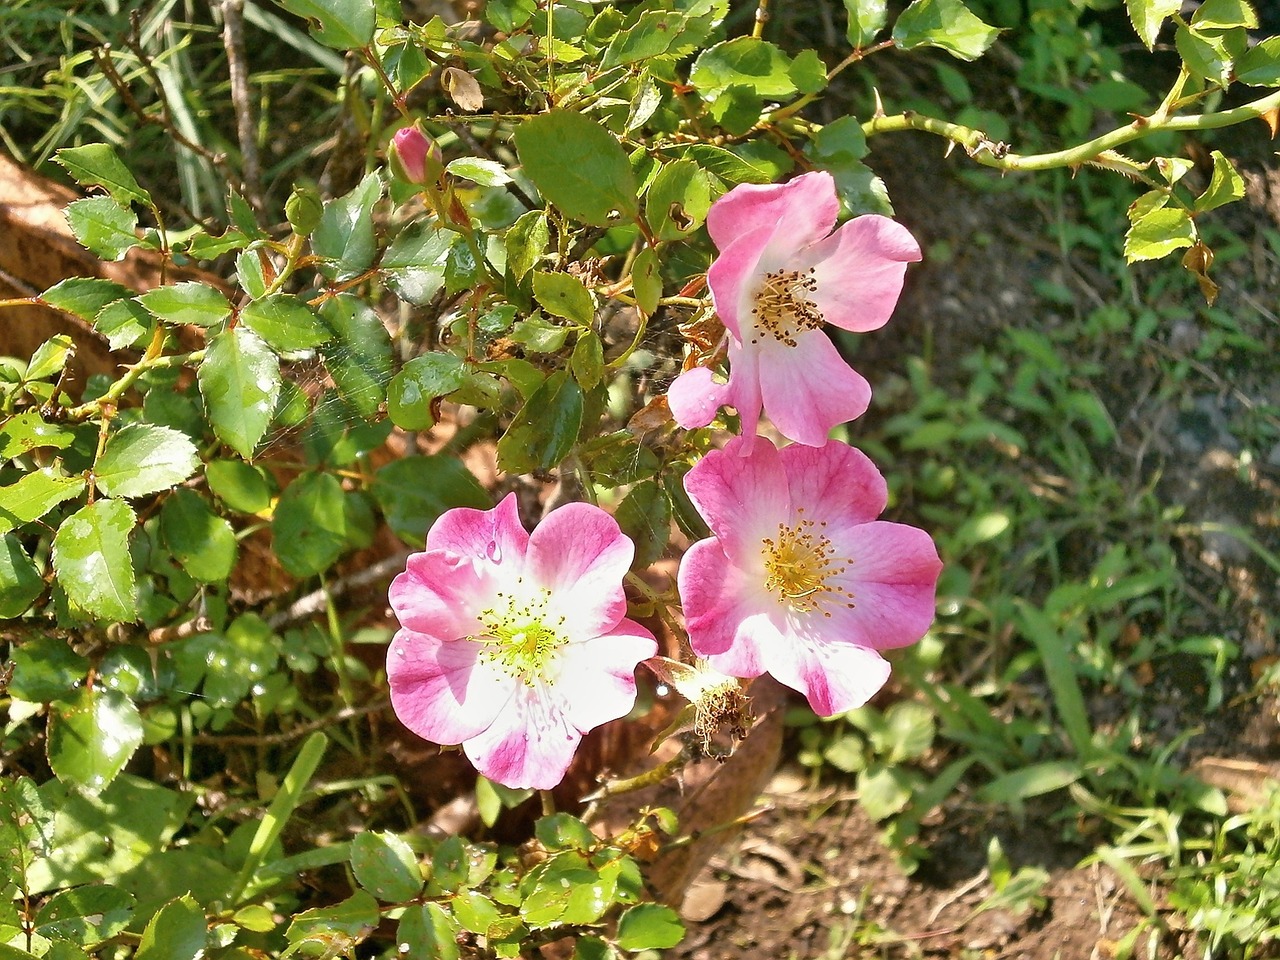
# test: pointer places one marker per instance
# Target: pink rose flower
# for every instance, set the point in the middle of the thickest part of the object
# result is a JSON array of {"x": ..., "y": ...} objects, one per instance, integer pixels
[
  {"x": 515, "y": 644},
  {"x": 799, "y": 579},
  {"x": 780, "y": 275},
  {"x": 416, "y": 156}
]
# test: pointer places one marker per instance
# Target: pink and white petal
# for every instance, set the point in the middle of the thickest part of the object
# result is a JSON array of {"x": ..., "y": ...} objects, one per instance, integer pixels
[
  {"x": 711, "y": 596},
  {"x": 809, "y": 388},
  {"x": 597, "y": 678},
  {"x": 808, "y": 203},
  {"x": 694, "y": 397},
  {"x": 530, "y": 744},
  {"x": 834, "y": 677},
  {"x": 580, "y": 555},
  {"x": 742, "y": 392},
  {"x": 741, "y": 491},
  {"x": 495, "y": 535},
  {"x": 835, "y": 483},
  {"x": 859, "y": 271},
  {"x": 747, "y": 655},
  {"x": 893, "y": 577},
  {"x": 441, "y": 690},
  {"x": 735, "y": 276},
  {"x": 440, "y": 594}
]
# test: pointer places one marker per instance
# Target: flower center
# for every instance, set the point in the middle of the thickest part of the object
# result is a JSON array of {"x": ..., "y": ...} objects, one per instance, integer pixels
[
  {"x": 517, "y": 638},
  {"x": 783, "y": 308},
  {"x": 801, "y": 565}
]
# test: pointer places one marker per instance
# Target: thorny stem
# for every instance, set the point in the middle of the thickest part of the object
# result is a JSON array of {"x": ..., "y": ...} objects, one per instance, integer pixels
[
  {"x": 762, "y": 17},
  {"x": 151, "y": 360},
  {"x": 992, "y": 154},
  {"x": 611, "y": 788},
  {"x": 791, "y": 109}
]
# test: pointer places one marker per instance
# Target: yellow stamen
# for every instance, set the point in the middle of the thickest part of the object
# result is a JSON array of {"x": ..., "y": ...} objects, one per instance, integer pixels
[
  {"x": 801, "y": 566},
  {"x": 784, "y": 308}
]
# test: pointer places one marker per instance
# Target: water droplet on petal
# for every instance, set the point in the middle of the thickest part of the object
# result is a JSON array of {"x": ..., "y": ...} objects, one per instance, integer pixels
[
  {"x": 494, "y": 552},
  {"x": 400, "y": 652}
]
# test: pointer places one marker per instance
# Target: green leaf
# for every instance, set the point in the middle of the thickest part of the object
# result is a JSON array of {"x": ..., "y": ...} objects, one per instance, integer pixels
[
  {"x": 26, "y": 431},
  {"x": 97, "y": 165},
  {"x": 866, "y": 19},
  {"x": 337, "y": 928},
  {"x": 577, "y": 165},
  {"x": 103, "y": 227},
  {"x": 309, "y": 528},
  {"x": 729, "y": 166},
  {"x": 537, "y": 334},
  {"x": 345, "y": 236},
  {"x": 1147, "y": 16},
  {"x": 1209, "y": 55},
  {"x": 546, "y": 428},
  {"x": 200, "y": 540},
  {"x": 241, "y": 486},
  {"x": 487, "y": 173},
  {"x": 251, "y": 272},
  {"x": 563, "y": 831},
  {"x": 1060, "y": 672},
  {"x": 646, "y": 279},
  {"x": 45, "y": 668},
  {"x": 947, "y": 24},
  {"x": 178, "y": 931},
  {"x": 883, "y": 790},
  {"x": 143, "y": 458},
  {"x": 20, "y": 580},
  {"x": 677, "y": 201},
  {"x": 125, "y": 323},
  {"x": 526, "y": 242},
  {"x": 649, "y": 926},
  {"x": 747, "y": 62},
  {"x": 91, "y": 559},
  {"x": 1224, "y": 15},
  {"x": 414, "y": 391},
  {"x": 415, "y": 263},
  {"x": 26, "y": 828},
  {"x": 413, "y": 492},
  {"x": 1158, "y": 234},
  {"x": 92, "y": 736},
  {"x": 1260, "y": 67},
  {"x": 385, "y": 866},
  {"x": 587, "y": 362},
  {"x": 562, "y": 295},
  {"x": 341, "y": 24},
  {"x": 1225, "y": 185},
  {"x": 188, "y": 302},
  {"x": 240, "y": 381},
  {"x": 285, "y": 322},
  {"x": 645, "y": 516},
  {"x": 1032, "y": 781},
  {"x": 359, "y": 360},
  {"x": 429, "y": 933},
  {"x": 34, "y": 495},
  {"x": 85, "y": 296},
  {"x": 85, "y": 915},
  {"x": 49, "y": 358}
]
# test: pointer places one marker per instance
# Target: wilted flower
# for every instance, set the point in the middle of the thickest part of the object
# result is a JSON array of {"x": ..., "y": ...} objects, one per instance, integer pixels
[
  {"x": 799, "y": 579},
  {"x": 415, "y": 156},
  {"x": 781, "y": 274},
  {"x": 515, "y": 644}
]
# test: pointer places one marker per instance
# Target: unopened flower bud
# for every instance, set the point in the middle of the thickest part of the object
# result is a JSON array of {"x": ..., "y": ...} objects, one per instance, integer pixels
[
  {"x": 415, "y": 156},
  {"x": 303, "y": 209}
]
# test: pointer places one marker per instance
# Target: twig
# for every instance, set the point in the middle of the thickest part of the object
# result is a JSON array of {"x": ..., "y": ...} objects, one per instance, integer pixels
[
  {"x": 233, "y": 41},
  {"x": 316, "y": 601},
  {"x": 273, "y": 739}
]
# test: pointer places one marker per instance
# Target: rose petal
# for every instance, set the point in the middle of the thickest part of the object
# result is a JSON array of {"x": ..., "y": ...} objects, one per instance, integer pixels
[
  {"x": 741, "y": 491},
  {"x": 859, "y": 271},
  {"x": 530, "y": 744},
  {"x": 809, "y": 388},
  {"x": 836, "y": 482},
  {"x": 440, "y": 594},
  {"x": 834, "y": 677},
  {"x": 743, "y": 389},
  {"x": 694, "y": 397},
  {"x": 440, "y": 690},
  {"x": 580, "y": 555},
  {"x": 806, "y": 206},
  {"x": 713, "y": 598},
  {"x": 598, "y": 677},
  {"x": 496, "y": 535},
  {"x": 735, "y": 275}
]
